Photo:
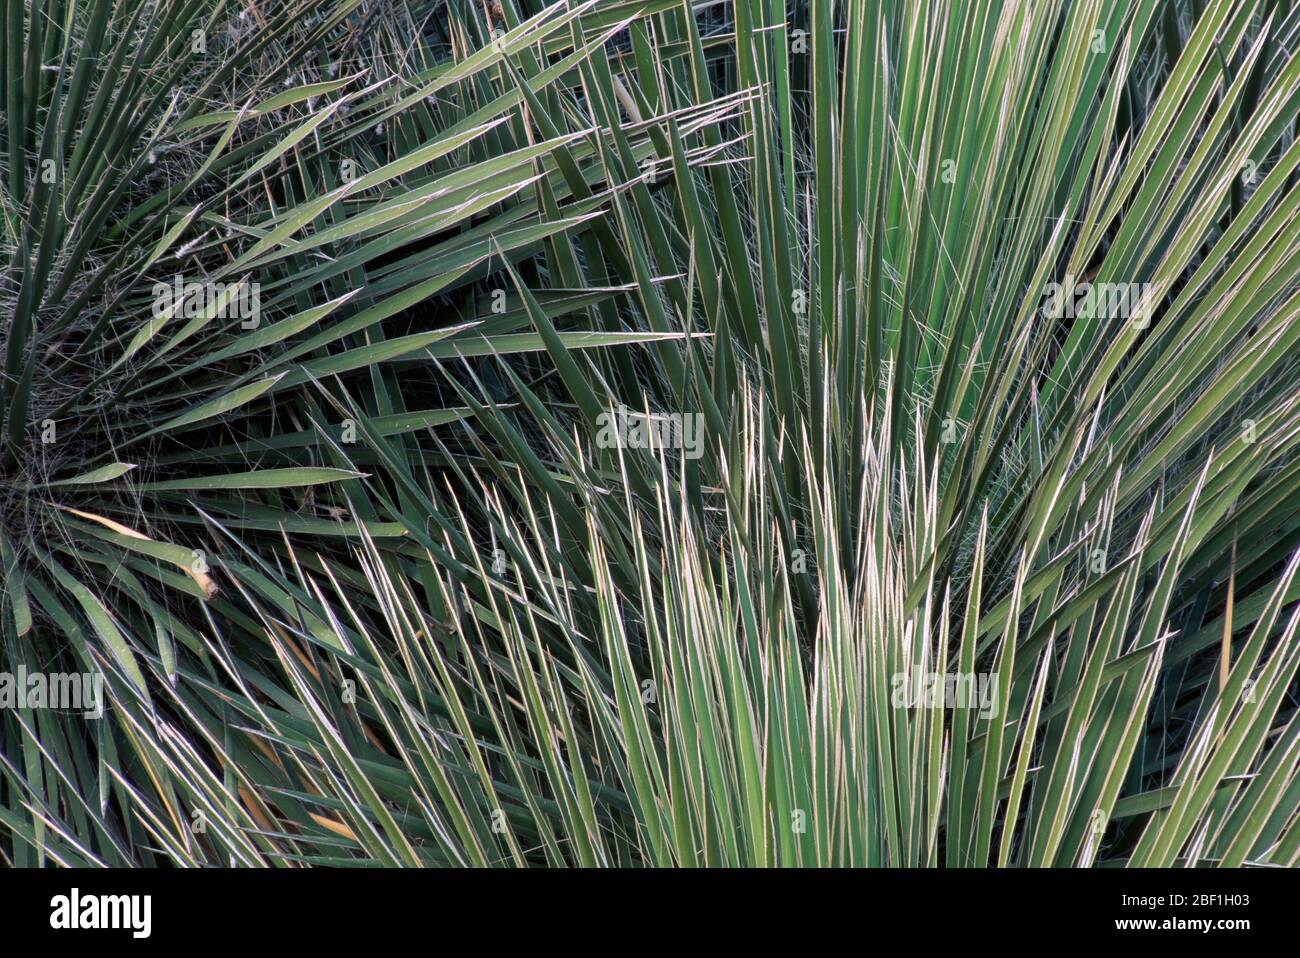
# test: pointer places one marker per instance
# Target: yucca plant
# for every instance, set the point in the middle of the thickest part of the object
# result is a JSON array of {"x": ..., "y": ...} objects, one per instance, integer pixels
[
  {"x": 958, "y": 342},
  {"x": 183, "y": 180}
]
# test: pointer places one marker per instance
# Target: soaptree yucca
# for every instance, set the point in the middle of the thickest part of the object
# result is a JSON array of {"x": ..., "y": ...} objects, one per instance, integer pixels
[
  {"x": 210, "y": 209},
  {"x": 987, "y": 313}
]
